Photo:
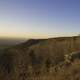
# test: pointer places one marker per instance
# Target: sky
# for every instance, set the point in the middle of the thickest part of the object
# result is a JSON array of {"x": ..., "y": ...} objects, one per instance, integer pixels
[{"x": 39, "y": 18}]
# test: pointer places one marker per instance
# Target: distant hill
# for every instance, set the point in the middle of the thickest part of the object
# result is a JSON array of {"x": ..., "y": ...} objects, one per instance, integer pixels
[
  {"x": 41, "y": 59},
  {"x": 4, "y": 42}
]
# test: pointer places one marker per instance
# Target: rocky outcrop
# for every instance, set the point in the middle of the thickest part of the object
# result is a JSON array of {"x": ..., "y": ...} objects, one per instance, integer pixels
[{"x": 72, "y": 56}]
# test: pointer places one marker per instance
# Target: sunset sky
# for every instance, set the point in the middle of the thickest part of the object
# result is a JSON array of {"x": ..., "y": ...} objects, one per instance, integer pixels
[{"x": 39, "y": 18}]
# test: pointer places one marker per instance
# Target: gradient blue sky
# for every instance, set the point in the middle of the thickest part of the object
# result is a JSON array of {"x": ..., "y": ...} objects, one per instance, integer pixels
[{"x": 39, "y": 18}]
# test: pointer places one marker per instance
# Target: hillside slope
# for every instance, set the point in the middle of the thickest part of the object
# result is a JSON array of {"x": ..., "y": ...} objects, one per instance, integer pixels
[{"x": 40, "y": 60}]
